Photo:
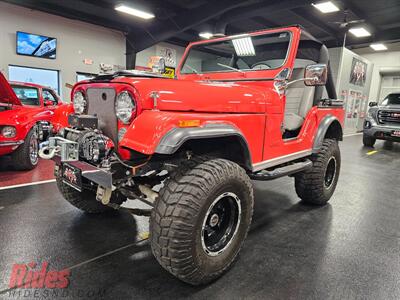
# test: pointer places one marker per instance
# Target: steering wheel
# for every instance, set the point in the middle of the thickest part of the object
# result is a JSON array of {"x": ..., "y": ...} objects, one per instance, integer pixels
[{"x": 260, "y": 66}]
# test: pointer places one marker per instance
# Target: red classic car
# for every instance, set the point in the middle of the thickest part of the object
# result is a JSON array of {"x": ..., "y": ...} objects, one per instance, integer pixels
[{"x": 26, "y": 113}]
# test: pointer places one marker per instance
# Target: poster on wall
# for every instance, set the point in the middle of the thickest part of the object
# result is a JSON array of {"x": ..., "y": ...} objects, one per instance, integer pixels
[
  {"x": 358, "y": 72},
  {"x": 364, "y": 106},
  {"x": 168, "y": 54},
  {"x": 355, "y": 98},
  {"x": 169, "y": 72}
]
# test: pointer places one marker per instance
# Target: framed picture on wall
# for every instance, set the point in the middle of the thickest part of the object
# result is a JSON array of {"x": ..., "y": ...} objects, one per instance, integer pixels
[
  {"x": 169, "y": 54},
  {"x": 358, "y": 72}
]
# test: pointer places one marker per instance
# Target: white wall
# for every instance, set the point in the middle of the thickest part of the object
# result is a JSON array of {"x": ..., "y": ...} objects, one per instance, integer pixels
[
  {"x": 355, "y": 97},
  {"x": 142, "y": 57},
  {"x": 75, "y": 42},
  {"x": 383, "y": 61}
]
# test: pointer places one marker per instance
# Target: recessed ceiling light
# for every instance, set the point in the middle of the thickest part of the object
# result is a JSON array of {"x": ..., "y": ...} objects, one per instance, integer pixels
[
  {"x": 134, "y": 12},
  {"x": 359, "y": 32},
  {"x": 326, "y": 7},
  {"x": 378, "y": 47},
  {"x": 206, "y": 35}
]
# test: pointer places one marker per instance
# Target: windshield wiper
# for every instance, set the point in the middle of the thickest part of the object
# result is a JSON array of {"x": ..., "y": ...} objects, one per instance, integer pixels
[{"x": 231, "y": 68}]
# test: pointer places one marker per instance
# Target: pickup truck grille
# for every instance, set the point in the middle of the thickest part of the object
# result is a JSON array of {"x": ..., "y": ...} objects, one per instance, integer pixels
[
  {"x": 388, "y": 117},
  {"x": 101, "y": 102}
]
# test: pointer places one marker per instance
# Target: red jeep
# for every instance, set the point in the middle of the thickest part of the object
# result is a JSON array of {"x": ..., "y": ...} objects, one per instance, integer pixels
[
  {"x": 26, "y": 115},
  {"x": 252, "y": 106}
]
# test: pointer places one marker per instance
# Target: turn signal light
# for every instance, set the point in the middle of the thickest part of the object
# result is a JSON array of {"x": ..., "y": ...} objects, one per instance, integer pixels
[{"x": 189, "y": 123}]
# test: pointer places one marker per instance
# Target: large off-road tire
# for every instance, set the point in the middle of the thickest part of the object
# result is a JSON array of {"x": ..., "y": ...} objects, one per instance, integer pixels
[
  {"x": 26, "y": 157},
  {"x": 316, "y": 185},
  {"x": 200, "y": 203},
  {"x": 368, "y": 141},
  {"x": 86, "y": 200}
]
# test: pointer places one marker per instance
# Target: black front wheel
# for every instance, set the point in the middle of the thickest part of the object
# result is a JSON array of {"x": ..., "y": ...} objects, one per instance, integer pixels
[
  {"x": 26, "y": 157},
  {"x": 86, "y": 200},
  {"x": 201, "y": 218},
  {"x": 368, "y": 141}
]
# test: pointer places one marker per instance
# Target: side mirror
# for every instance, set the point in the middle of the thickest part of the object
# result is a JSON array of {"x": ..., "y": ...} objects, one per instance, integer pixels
[
  {"x": 372, "y": 104},
  {"x": 48, "y": 103},
  {"x": 315, "y": 75}
]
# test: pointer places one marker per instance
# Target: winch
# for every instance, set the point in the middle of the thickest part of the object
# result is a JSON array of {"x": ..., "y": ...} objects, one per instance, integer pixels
[
  {"x": 82, "y": 141},
  {"x": 93, "y": 146}
]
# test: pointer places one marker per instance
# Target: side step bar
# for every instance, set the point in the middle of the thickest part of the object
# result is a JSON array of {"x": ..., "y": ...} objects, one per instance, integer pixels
[{"x": 282, "y": 171}]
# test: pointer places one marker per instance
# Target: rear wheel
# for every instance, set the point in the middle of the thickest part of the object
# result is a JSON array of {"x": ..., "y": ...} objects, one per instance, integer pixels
[
  {"x": 316, "y": 185},
  {"x": 368, "y": 141},
  {"x": 26, "y": 157},
  {"x": 86, "y": 200},
  {"x": 201, "y": 218}
]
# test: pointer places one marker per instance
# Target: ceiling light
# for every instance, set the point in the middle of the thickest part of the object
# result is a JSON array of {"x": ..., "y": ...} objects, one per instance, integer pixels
[
  {"x": 326, "y": 7},
  {"x": 359, "y": 32},
  {"x": 378, "y": 47},
  {"x": 206, "y": 35},
  {"x": 244, "y": 46},
  {"x": 134, "y": 12}
]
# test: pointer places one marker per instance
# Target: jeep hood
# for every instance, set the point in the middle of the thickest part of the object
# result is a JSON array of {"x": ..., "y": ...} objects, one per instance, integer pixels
[
  {"x": 7, "y": 94},
  {"x": 198, "y": 96}
]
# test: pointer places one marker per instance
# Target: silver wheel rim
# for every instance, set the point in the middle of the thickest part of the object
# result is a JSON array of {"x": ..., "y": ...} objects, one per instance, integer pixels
[
  {"x": 229, "y": 226},
  {"x": 330, "y": 173},
  {"x": 33, "y": 150}
]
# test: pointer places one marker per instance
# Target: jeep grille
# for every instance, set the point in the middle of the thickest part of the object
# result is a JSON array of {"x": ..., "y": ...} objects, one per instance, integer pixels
[{"x": 101, "y": 103}]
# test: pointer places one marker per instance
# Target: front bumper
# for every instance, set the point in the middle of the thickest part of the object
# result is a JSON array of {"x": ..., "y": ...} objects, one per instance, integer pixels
[
  {"x": 88, "y": 171},
  {"x": 9, "y": 147},
  {"x": 11, "y": 144},
  {"x": 63, "y": 151},
  {"x": 378, "y": 131}
]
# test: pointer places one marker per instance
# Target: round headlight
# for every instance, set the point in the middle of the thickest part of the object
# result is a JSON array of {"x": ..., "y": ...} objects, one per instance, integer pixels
[
  {"x": 124, "y": 107},
  {"x": 79, "y": 103},
  {"x": 9, "y": 131}
]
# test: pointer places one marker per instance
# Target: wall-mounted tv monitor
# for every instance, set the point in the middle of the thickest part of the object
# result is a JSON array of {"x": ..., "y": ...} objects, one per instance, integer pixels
[{"x": 36, "y": 45}]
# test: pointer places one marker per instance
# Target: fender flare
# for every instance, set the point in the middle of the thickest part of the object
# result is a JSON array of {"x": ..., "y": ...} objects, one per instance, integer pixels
[
  {"x": 325, "y": 124},
  {"x": 176, "y": 137}
]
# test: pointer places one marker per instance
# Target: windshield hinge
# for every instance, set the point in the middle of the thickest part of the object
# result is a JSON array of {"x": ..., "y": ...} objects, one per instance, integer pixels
[{"x": 155, "y": 95}]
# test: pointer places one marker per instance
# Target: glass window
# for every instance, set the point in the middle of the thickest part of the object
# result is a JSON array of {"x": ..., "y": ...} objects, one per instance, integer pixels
[
  {"x": 261, "y": 52},
  {"x": 27, "y": 95},
  {"x": 48, "y": 96},
  {"x": 43, "y": 77},
  {"x": 392, "y": 99}
]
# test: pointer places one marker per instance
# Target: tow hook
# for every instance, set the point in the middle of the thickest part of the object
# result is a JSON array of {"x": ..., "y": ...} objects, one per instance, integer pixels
[
  {"x": 46, "y": 152},
  {"x": 66, "y": 149}
]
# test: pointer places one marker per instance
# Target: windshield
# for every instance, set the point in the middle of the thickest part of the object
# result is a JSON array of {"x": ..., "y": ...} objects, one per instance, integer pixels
[
  {"x": 241, "y": 53},
  {"x": 392, "y": 99},
  {"x": 27, "y": 95}
]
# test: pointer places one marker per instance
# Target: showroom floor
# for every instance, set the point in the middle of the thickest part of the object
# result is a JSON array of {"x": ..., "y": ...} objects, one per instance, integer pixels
[{"x": 346, "y": 250}]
